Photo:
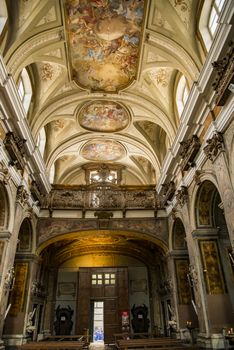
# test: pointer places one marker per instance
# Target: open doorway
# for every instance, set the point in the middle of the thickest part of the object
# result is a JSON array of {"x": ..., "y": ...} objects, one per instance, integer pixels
[{"x": 97, "y": 308}]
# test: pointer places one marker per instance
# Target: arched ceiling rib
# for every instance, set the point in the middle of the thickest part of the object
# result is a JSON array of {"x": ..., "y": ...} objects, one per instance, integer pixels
[{"x": 168, "y": 47}]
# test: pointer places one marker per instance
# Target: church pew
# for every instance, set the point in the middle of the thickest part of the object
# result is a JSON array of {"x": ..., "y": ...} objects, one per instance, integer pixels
[
  {"x": 144, "y": 343},
  {"x": 55, "y": 345},
  {"x": 79, "y": 337}
]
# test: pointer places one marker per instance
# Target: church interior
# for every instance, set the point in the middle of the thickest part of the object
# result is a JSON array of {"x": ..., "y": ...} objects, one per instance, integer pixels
[{"x": 126, "y": 228}]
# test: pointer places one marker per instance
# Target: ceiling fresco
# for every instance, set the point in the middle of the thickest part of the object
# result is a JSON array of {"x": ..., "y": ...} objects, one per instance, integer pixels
[
  {"x": 104, "y": 41},
  {"x": 103, "y": 150},
  {"x": 103, "y": 116}
]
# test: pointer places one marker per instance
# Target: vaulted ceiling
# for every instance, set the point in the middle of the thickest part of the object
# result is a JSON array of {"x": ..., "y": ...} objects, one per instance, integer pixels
[{"x": 104, "y": 76}]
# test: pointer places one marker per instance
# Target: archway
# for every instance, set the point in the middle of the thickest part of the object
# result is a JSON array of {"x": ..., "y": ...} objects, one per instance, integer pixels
[{"x": 214, "y": 246}]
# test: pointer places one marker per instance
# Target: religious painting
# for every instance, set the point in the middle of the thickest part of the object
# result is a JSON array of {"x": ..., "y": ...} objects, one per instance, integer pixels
[
  {"x": 18, "y": 293},
  {"x": 213, "y": 273},
  {"x": 2, "y": 207},
  {"x": 204, "y": 204},
  {"x": 183, "y": 288},
  {"x": 179, "y": 235},
  {"x": 104, "y": 39},
  {"x": 25, "y": 237},
  {"x": 103, "y": 151},
  {"x": 2, "y": 243},
  {"x": 103, "y": 116}
]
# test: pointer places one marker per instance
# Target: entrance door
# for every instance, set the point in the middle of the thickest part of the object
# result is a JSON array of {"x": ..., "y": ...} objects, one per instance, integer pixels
[
  {"x": 106, "y": 285},
  {"x": 97, "y": 322}
]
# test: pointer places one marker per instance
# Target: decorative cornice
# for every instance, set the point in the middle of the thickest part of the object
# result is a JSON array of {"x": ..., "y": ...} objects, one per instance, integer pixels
[
  {"x": 182, "y": 196},
  {"x": 22, "y": 195},
  {"x": 4, "y": 172},
  {"x": 168, "y": 191},
  {"x": 225, "y": 76},
  {"x": 214, "y": 146},
  {"x": 189, "y": 151},
  {"x": 35, "y": 191},
  {"x": 15, "y": 148}
]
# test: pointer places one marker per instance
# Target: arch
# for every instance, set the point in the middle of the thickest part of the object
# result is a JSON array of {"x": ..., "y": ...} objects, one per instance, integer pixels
[
  {"x": 152, "y": 112},
  {"x": 204, "y": 204},
  {"x": 25, "y": 236}
]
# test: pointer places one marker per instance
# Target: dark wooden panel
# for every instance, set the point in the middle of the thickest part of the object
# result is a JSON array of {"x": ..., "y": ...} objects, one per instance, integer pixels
[{"x": 83, "y": 305}]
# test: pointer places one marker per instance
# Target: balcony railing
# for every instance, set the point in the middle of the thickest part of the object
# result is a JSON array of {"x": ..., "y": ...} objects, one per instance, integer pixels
[{"x": 100, "y": 198}]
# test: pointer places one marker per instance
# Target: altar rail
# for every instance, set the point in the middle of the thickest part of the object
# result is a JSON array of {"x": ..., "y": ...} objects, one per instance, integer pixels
[{"x": 86, "y": 198}]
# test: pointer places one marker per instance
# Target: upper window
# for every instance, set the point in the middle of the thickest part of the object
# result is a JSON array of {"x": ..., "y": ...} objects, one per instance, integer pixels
[
  {"x": 182, "y": 93},
  {"x": 25, "y": 89},
  {"x": 3, "y": 14},
  {"x": 209, "y": 20},
  {"x": 41, "y": 141}
]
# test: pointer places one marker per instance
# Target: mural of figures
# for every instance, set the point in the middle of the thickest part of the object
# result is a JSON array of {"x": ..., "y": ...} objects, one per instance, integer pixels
[
  {"x": 104, "y": 38},
  {"x": 106, "y": 150},
  {"x": 205, "y": 204},
  {"x": 103, "y": 116},
  {"x": 182, "y": 270},
  {"x": 212, "y": 269}
]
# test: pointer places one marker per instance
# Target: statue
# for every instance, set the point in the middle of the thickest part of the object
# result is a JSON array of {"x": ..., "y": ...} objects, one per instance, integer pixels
[
  {"x": 9, "y": 279},
  {"x": 30, "y": 328}
]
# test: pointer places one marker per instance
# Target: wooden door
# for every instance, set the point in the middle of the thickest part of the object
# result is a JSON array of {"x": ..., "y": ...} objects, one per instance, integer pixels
[
  {"x": 116, "y": 301},
  {"x": 109, "y": 285}
]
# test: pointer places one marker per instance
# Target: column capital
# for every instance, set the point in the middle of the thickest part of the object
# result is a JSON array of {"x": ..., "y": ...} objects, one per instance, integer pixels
[{"x": 215, "y": 145}]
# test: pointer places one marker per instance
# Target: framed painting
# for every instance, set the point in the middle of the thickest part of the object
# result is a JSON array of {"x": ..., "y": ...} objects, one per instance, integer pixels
[
  {"x": 213, "y": 273},
  {"x": 183, "y": 288},
  {"x": 18, "y": 293}
]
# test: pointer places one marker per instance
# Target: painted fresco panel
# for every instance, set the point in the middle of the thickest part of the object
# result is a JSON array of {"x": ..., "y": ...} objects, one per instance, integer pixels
[
  {"x": 182, "y": 270},
  {"x": 213, "y": 273},
  {"x": 18, "y": 293},
  {"x": 2, "y": 243},
  {"x": 103, "y": 116},
  {"x": 106, "y": 150},
  {"x": 204, "y": 210},
  {"x": 104, "y": 41}
]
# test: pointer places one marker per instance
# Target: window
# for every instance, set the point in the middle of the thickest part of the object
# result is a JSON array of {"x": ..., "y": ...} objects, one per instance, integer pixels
[
  {"x": 103, "y": 278},
  {"x": 209, "y": 20},
  {"x": 25, "y": 89},
  {"x": 3, "y": 15},
  {"x": 97, "y": 176},
  {"x": 51, "y": 175},
  {"x": 214, "y": 15},
  {"x": 41, "y": 141},
  {"x": 182, "y": 93},
  {"x": 109, "y": 278},
  {"x": 97, "y": 279}
]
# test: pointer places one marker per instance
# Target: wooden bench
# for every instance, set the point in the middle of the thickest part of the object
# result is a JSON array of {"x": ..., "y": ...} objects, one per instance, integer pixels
[
  {"x": 56, "y": 345},
  {"x": 76, "y": 337},
  {"x": 152, "y": 343}
]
